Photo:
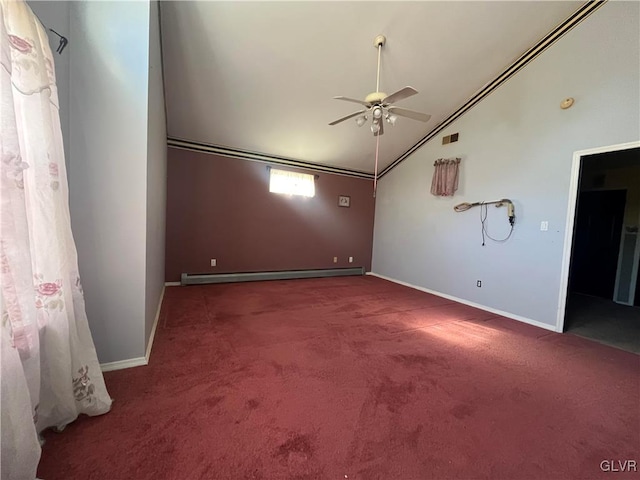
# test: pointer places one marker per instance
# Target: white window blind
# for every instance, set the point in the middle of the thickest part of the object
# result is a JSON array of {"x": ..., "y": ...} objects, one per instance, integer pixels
[{"x": 292, "y": 183}]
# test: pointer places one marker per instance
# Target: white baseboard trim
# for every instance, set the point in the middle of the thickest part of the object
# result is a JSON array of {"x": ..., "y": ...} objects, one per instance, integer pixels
[
  {"x": 155, "y": 325},
  {"x": 121, "y": 364},
  {"x": 519, "y": 318},
  {"x": 172, "y": 284},
  {"x": 139, "y": 361}
]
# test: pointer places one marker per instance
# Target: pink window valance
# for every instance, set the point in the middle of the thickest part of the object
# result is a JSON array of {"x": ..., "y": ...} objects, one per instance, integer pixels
[{"x": 445, "y": 177}]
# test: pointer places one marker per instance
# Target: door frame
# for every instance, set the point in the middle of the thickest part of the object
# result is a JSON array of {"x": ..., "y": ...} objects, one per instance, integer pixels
[{"x": 574, "y": 185}]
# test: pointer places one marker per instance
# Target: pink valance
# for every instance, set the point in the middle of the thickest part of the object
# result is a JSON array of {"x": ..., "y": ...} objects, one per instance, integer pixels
[{"x": 445, "y": 177}]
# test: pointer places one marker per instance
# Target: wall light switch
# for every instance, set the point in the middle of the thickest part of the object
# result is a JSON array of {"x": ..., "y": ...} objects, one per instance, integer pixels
[
  {"x": 335, "y": 259},
  {"x": 213, "y": 262},
  {"x": 544, "y": 226},
  {"x": 350, "y": 259}
]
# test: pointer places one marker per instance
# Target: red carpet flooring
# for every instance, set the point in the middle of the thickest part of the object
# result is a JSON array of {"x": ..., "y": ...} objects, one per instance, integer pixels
[{"x": 354, "y": 378}]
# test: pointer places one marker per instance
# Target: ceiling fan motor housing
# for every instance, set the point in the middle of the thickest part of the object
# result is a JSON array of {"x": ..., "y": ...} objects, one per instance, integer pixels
[{"x": 375, "y": 98}]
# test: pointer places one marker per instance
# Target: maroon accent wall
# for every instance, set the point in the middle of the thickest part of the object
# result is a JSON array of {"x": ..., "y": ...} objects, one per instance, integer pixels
[{"x": 219, "y": 207}]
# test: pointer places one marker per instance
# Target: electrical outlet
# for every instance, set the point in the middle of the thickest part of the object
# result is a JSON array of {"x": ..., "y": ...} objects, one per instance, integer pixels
[
  {"x": 479, "y": 283},
  {"x": 350, "y": 259},
  {"x": 335, "y": 259},
  {"x": 213, "y": 262}
]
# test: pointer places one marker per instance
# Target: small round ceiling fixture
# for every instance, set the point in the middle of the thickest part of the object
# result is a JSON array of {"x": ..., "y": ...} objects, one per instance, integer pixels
[{"x": 566, "y": 103}]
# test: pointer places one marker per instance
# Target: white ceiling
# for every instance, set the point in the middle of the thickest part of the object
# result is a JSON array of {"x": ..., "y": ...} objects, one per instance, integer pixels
[{"x": 260, "y": 76}]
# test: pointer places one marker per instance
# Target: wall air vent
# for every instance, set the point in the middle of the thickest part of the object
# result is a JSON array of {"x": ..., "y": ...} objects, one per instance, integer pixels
[{"x": 450, "y": 138}]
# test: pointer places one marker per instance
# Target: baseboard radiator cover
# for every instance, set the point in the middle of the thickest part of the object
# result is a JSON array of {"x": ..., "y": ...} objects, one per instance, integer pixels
[{"x": 198, "y": 279}]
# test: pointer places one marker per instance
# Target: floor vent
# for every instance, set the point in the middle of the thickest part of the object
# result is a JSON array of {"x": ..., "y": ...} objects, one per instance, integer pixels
[{"x": 197, "y": 279}]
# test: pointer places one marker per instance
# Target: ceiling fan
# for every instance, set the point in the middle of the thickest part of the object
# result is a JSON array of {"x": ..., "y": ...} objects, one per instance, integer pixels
[{"x": 379, "y": 105}]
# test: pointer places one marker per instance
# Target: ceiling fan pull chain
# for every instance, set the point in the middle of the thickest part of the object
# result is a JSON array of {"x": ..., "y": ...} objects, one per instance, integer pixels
[{"x": 375, "y": 172}]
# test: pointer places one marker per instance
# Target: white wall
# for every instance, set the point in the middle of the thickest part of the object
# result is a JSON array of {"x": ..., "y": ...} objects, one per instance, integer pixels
[
  {"x": 516, "y": 143},
  {"x": 156, "y": 176},
  {"x": 109, "y": 81}
]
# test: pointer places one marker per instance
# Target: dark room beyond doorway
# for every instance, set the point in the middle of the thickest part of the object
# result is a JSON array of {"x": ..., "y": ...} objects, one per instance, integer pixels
[{"x": 603, "y": 289}]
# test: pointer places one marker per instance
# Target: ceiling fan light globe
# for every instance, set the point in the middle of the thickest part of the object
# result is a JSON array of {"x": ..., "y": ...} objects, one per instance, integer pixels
[
  {"x": 360, "y": 121},
  {"x": 375, "y": 128},
  {"x": 377, "y": 112}
]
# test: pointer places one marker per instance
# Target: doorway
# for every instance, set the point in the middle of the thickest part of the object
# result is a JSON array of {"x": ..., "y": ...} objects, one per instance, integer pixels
[
  {"x": 602, "y": 248},
  {"x": 596, "y": 242}
]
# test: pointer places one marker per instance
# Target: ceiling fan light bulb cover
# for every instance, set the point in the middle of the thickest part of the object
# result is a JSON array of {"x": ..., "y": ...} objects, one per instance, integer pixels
[
  {"x": 377, "y": 112},
  {"x": 375, "y": 128},
  {"x": 391, "y": 118},
  {"x": 360, "y": 121}
]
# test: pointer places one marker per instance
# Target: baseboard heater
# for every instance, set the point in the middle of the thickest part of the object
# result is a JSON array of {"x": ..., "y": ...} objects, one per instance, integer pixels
[{"x": 196, "y": 279}]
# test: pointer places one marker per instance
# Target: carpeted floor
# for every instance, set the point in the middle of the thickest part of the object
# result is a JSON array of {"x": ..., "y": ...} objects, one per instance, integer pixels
[{"x": 355, "y": 378}]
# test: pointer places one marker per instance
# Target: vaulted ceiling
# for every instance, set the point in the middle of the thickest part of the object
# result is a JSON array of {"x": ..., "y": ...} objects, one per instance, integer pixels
[{"x": 261, "y": 76}]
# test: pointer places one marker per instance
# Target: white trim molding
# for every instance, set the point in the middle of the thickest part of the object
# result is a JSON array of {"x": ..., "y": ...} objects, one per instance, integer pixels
[
  {"x": 574, "y": 184},
  {"x": 172, "y": 284},
  {"x": 122, "y": 364},
  {"x": 155, "y": 325},
  {"x": 262, "y": 157},
  {"x": 139, "y": 361},
  {"x": 502, "y": 313},
  {"x": 578, "y": 16}
]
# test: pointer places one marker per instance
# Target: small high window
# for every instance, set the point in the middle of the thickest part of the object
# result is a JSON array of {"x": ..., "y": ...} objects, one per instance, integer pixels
[{"x": 292, "y": 183}]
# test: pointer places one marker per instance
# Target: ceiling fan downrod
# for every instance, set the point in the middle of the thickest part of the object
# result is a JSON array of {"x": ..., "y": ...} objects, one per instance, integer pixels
[{"x": 379, "y": 42}]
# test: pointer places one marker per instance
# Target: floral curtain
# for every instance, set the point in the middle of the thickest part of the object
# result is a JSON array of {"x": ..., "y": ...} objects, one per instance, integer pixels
[
  {"x": 50, "y": 371},
  {"x": 445, "y": 177}
]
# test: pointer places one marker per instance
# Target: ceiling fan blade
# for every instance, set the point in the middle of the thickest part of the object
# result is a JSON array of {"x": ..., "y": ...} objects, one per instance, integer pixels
[
  {"x": 347, "y": 99},
  {"x": 399, "y": 95},
  {"x": 348, "y": 117},
  {"x": 403, "y": 112}
]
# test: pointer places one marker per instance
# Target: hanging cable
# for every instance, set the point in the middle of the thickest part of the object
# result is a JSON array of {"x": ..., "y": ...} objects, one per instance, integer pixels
[
  {"x": 484, "y": 212},
  {"x": 483, "y": 224}
]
